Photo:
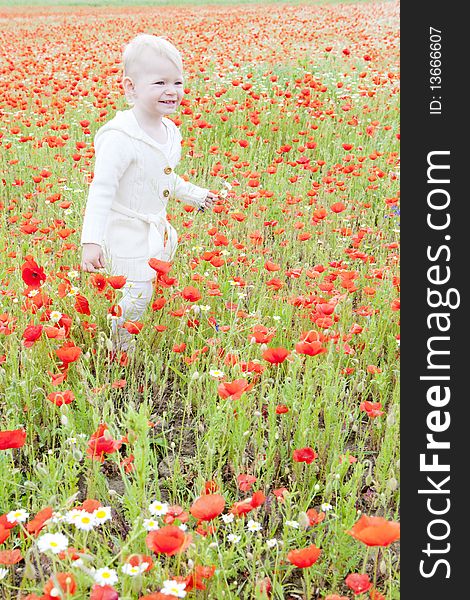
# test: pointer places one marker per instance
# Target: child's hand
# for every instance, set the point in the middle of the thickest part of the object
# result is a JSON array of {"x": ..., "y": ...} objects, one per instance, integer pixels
[
  {"x": 92, "y": 258},
  {"x": 208, "y": 201}
]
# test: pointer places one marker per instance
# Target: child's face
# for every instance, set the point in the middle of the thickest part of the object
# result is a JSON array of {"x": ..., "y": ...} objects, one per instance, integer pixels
[{"x": 156, "y": 86}]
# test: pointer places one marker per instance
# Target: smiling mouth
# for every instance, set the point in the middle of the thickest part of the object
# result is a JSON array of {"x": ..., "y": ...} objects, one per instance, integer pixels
[{"x": 168, "y": 101}]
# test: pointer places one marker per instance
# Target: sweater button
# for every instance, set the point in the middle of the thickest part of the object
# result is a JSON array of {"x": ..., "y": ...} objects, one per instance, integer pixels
[
  {"x": 167, "y": 170},
  {"x": 166, "y": 193}
]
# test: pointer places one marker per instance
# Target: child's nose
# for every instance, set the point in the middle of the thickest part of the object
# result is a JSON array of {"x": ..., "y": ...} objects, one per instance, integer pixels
[{"x": 170, "y": 88}]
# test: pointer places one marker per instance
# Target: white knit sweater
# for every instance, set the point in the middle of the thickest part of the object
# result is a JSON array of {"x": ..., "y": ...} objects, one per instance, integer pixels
[{"x": 126, "y": 208}]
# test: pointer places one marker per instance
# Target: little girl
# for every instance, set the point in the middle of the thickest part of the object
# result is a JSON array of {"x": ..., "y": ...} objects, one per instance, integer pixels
[{"x": 136, "y": 153}]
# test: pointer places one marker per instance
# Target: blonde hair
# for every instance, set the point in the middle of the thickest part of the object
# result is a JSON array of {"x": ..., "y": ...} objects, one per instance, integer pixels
[{"x": 142, "y": 41}]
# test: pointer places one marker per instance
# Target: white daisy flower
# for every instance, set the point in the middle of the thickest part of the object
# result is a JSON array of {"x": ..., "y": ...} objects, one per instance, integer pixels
[
  {"x": 227, "y": 518},
  {"x": 233, "y": 538},
  {"x": 17, "y": 516},
  {"x": 52, "y": 542},
  {"x": 151, "y": 525},
  {"x": 57, "y": 517},
  {"x": 183, "y": 526},
  {"x": 105, "y": 576},
  {"x": 134, "y": 570},
  {"x": 33, "y": 293},
  {"x": 81, "y": 519},
  {"x": 325, "y": 507},
  {"x": 55, "y": 316},
  {"x": 271, "y": 543},
  {"x": 158, "y": 509},
  {"x": 73, "y": 274},
  {"x": 293, "y": 524},
  {"x": 3, "y": 573},
  {"x": 73, "y": 290},
  {"x": 102, "y": 514},
  {"x": 217, "y": 373},
  {"x": 253, "y": 526},
  {"x": 173, "y": 588}
]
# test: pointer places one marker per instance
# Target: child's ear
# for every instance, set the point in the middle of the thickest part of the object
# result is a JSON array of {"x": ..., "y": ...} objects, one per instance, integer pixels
[{"x": 128, "y": 86}]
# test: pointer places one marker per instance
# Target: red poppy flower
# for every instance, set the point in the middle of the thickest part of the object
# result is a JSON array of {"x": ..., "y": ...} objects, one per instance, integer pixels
[
  {"x": 66, "y": 583},
  {"x": 280, "y": 493},
  {"x": 31, "y": 273},
  {"x": 306, "y": 455},
  {"x": 10, "y": 557},
  {"x": 4, "y": 533},
  {"x": 98, "y": 281},
  {"x": 358, "y": 583},
  {"x": 258, "y": 499},
  {"x": 14, "y": 438},
  {"x": 57, "y": 379},
  {"x": 207, "y": 507},
  {"x": 191, "y": 294},
  {"x": 68, "y": 353},
  {"x": 376, "y": 595},
  {"x": 103, "y": 592},
  {"x": 4, "y": 522},
  {"x": 375, "y": 531},
  {"x": 270, "y": 266},
  {"x": 261, "y": 334},
  {"x": 101, "y": 443},
  {"x": 210, "y": 487},
  {"x": 160, "y": 266},
  {"x": 117, "y": 281},
  {"x": 373, "y": 409},
  {"x": 89, "y": 505},
  {"x": 60, "y": 398},
  {"x": 81, "y": 305},
  {"x": 314, "y": 517},
  {"x": 275, "y": 355},
  {"x": 338, "y": 207},
  {"x": 133, "y": 327},
  {"x": 304, "y": 557},
  {"x": 310, "y": 348},
  {"x": 31, "y": 334},
  {"x": 35, "y": 525},
  {"x": 233, "y": 390},
  {"x": 245, "y": 482},
  {"x": 245, "y": 506},
  {"x": 195, "y": 579},
  {"x": 174, "y": 513},
  {"x": 168, "y": 540}
]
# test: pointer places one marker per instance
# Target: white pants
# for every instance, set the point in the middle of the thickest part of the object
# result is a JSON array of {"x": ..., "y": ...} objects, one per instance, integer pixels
[{"x": 136, "y": 297}]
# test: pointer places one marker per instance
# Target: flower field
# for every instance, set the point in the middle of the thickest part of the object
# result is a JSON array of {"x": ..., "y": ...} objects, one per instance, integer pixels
[{"x": 248, "y": 448}]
